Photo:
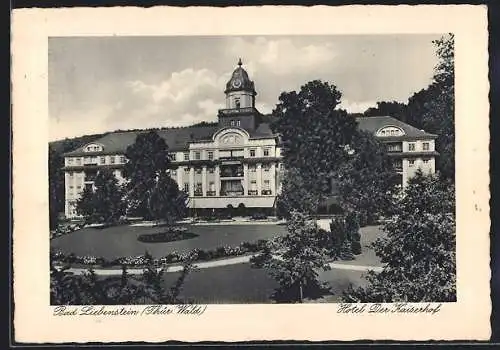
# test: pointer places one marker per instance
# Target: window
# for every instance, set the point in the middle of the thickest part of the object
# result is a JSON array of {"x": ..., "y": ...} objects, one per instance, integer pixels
[
  {"x": 173, "y": 157},
  {"x": 252, "y": 153},
  {"x": 252, "y": 168},
  {"x": 78, "y": 161},
  {"x": 267, "y": 185},
  {"x": 238, "y": 123},
  {"x": 118, "y": 173},
  {"x": 198, "y": 170},
  {"x": 70, "y": 161},
  {"x": 102, "y": 160},
  {"x": 211, "y": 170},
  {"x": 411, "y": 163},
  {"x": 237, "y": 102},
  {"x": 186, "y": 155},
  {"x": 210, "y": 155},
  {"x": 70, "y": 174},
  {"x": 266, "y": 167},
  {"x": 197, "y": 155},
  {"x": 232, "y": 123},
  {"x": 266, "y": 152},
  {"x": 186, "y": 169},
  {"x": 211, "y": 186},
  {"x": 78, "y": 187},
  {"x": 174, "y": 172},
  {"x": 411, "y": 147},
  {"x": 186, "y": 187},
  {"x": 426, "y": 146},
  {"x": 112, "y": 159},
  {"x": 426, "y": 161}
]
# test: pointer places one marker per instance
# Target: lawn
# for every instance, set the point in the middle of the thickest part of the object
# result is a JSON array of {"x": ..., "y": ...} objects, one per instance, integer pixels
[
  {"x": 243, "y": 284},
  {"x": 121, "y": 241}
]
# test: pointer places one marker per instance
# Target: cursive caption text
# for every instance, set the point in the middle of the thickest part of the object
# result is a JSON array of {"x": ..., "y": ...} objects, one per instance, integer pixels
[{"x": 151, "y": 310}]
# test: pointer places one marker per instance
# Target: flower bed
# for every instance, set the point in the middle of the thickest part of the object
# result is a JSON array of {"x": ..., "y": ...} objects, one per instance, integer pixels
[
  {"x": 172, "y": 258},
  {"x": 174, "y": 234}
]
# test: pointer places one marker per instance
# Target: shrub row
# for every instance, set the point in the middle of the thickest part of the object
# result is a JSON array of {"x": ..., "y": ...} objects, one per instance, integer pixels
[
  {"x": 65, "y": 229},
  {"x": 174, "y": 257}
]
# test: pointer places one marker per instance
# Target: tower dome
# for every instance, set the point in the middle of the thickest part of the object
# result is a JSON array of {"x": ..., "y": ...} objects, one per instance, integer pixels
[{"x": 240, "y": 81}]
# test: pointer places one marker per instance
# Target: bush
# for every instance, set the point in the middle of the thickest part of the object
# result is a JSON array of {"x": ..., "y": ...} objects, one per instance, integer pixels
[
  {"x": 259, "y": 216},
  {"x": 356, "y": 247}
]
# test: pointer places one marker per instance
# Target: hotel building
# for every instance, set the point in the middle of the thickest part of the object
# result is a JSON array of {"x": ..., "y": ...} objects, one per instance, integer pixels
[{"x": 235, "y": 162}]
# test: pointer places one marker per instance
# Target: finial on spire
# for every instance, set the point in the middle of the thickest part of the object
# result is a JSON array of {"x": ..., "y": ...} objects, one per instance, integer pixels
[{"x": 239, "y": 62}]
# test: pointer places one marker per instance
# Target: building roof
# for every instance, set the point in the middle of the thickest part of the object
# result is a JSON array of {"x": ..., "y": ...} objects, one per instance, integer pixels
[
  {"x": 241, "y": 80},
  {"x": 177, "y": 139},
  {"x": 373, "y": 124}
]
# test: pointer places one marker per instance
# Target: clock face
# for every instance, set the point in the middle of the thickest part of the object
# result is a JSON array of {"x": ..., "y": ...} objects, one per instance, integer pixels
[{"x": 236, "y": 83}]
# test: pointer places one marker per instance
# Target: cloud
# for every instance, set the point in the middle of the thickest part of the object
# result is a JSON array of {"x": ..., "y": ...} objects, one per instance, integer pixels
[
  {"x": 184, "y": 97},
  {"x": 356, "y": 107},
  {"x": 281, "y": 56}
]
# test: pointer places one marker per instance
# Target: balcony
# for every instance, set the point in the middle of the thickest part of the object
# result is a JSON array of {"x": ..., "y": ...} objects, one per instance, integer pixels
[
  {"x": 394, "y": 147},
  {"x": 253, "y": 192},
  {"x": 211, "y": 193},
  {"x": 198, "y": 193},
  {"x": 231, "y": 171},
  {"x": 231, "y": 193},
  {"x": 266, "y": 192},
  {"x": 233, "y": 111}
]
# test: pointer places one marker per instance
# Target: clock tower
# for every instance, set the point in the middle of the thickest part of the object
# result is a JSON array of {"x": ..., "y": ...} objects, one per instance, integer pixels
[
  {"x": 240, "y": 90},
  {"x": 240, "y": 108}
]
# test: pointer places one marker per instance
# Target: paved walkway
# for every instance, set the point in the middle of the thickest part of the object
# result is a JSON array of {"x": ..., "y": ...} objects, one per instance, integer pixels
[{"x": 216, "y": 263}]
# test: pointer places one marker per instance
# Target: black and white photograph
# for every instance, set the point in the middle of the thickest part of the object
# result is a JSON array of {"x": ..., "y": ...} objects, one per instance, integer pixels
[
  {"x": 218, "y": 175},
  {"x": 252, "y": 169}
]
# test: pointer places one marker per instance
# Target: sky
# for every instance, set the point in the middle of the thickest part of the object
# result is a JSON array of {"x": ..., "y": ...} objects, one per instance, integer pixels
[{"x": 99, "y": 84}]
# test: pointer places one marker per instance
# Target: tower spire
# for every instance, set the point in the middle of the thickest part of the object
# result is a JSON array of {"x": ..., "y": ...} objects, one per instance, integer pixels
[{"x": 239, "y": 62}]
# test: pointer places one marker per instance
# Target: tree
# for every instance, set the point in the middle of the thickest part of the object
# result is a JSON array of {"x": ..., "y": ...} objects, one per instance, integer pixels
[
  {"x": 148, "y": 159},
  {"x": 167, "y": 202},
  {"x": 56, "y": 184},
  {"x": 293, "y": 259},
  {"x": 314, "y": 133},
  {"x": 295, "y": 195},
  {"x": 419, "y": 250},
  {"x": 90, "y": 289},
  {"x": 366, "y": 182},
  {"x": 105, "y": 204},
  {"x": 394, "y": 109}
]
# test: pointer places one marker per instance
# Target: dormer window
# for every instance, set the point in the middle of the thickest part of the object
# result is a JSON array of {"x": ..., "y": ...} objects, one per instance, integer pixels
[
  {"x": 93, "y": 148},
  {"x": 390, "y": 131}
]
